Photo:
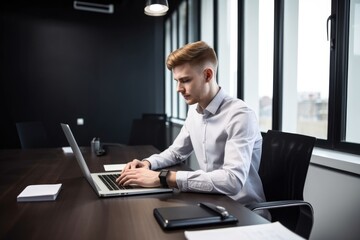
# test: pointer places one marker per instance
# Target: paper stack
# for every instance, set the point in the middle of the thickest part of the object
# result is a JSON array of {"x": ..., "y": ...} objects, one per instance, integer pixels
[
  {"x": 271, "y": 231},
  {"x": 41, "y": 192}
]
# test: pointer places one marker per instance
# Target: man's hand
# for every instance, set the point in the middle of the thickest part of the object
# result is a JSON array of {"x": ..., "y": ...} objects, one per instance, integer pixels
[
  {"x": 142, "y": 176},
  {"x": 138, "y": 172},
  {"x": 136, "y": 163}
]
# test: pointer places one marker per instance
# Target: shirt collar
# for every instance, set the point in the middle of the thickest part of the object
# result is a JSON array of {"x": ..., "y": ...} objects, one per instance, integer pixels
[{"x": 214, "y": 104}]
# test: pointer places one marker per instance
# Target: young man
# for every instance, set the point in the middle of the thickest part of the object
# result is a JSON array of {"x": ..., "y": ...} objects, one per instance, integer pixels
[{"x": 221, "y": 130}]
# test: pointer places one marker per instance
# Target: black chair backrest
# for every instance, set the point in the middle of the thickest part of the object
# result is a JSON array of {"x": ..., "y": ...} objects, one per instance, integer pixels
[
  {"x": 155, "y": 116},
  {"x": 32, "y": 135},
  {"x": 148, "y": 132},
  {"x": 284, "y": 164}
]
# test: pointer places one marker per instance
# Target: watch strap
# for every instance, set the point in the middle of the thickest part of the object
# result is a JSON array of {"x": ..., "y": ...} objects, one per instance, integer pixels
[{"x": 163, "y": 176}]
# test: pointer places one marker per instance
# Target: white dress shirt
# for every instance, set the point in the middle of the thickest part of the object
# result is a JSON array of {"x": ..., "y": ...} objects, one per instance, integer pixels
[{"x": 227, "y": 143}]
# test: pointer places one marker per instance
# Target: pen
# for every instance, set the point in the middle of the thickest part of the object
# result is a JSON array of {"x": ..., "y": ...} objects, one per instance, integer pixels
[{"x": 216, "y": 208}]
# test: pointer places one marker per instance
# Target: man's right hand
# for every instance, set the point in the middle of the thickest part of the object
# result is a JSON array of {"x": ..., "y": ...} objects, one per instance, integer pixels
[{"x": 136, "y": 163}]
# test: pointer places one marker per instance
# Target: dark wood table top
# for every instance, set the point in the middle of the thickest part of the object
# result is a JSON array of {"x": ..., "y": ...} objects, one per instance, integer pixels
[{"x": 78, "y": 213}]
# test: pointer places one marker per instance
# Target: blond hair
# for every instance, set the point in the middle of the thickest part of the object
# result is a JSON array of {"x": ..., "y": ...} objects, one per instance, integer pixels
[{"x": 197, "y": 53}]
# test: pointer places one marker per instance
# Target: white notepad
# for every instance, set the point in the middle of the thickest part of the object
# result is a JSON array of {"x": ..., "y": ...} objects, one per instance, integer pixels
[
  {"x": 67, "y": 150},
  {"x": 40, "y": 192},
  {"x": 114, "y": 167},
  {"x": 270, "y": 231}
]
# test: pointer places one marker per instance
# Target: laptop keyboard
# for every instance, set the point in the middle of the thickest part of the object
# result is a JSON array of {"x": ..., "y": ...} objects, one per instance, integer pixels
[{"x": 110, "y": 181}]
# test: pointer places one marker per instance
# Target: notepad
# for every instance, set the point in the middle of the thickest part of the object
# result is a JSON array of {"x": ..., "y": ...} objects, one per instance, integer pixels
[
  {"x": 67, "y": 150},
  {"x": 40, "y": 192},
  {"x": 270, "y": 231},
  {"x": 114, "y": 167}
]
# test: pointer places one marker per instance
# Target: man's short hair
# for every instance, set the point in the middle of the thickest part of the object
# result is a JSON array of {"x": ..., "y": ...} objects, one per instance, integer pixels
[{"x": 196, "y": 53}]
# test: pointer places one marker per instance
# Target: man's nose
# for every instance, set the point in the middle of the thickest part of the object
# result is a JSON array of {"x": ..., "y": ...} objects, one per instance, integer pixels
[{"x": 179, "y": 87}]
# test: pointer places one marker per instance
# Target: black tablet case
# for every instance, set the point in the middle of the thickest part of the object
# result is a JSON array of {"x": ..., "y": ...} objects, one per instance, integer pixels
[{"x": 189, "y": 216}]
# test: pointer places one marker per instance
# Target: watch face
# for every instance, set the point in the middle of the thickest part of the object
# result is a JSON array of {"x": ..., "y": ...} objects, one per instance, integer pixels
[{"x": 163, "y": 173}]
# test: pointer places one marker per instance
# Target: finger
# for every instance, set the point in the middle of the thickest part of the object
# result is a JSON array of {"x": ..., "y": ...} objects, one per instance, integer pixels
[
  {"x": 128, "y": 175},
  {"x": 134, "y": 164},
  {"x": 118, "y": 180},
  {"x": 121, "y": 176},
  {"x": 127, "y": 166},
  {"x": 130, "y": 182}
]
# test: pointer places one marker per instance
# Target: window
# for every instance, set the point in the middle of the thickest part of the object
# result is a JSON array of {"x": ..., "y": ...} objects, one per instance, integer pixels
[
  {"x": 185, "y": 25},
  {"x": 258, "y": 58},
  {"x": 227, "y": 45},
  {"x": 207, "y": 21},
  {"x": 183, "y": 39},
  {"x": 305, "y": 76},
  {"x": 294, "y": 78},
  {"x": 180, "y": 27},
  {"x": 353, "y": 83},
  {"x": 306, "y": 57},
  {"x": 174, "y": 45},
  {"x": 168, "y": 74}
]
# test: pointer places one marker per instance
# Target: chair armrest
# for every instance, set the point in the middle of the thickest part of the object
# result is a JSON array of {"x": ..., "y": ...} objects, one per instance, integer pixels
[
  {"x": 305, "y": 218},
  {"x": 278, "y": 204}
]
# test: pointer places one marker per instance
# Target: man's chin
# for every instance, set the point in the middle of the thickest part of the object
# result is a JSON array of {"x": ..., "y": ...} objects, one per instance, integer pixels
[{"x": 189, "y": 102}]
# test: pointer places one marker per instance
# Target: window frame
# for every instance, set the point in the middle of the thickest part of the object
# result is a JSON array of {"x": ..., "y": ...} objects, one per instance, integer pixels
[{"x": 338, "y": 68}]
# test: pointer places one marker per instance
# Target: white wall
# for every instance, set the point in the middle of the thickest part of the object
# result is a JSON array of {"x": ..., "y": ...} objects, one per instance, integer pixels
[{"x": 335, "y": 197}]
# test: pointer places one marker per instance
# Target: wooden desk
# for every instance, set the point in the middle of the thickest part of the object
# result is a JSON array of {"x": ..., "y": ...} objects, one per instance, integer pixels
[{"x": 78, "y": 213}]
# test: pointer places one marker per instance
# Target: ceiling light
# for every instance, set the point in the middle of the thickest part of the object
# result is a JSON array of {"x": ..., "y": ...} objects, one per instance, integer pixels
[
  {"x": 156, "y": 7},
  {"x": 94, "y": 7}
]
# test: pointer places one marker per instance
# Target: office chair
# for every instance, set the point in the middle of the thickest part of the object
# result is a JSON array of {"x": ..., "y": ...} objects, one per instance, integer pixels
[
  {"x": 32, "y": 135},
  {"x": 284, "y": 164},
  {"x": 149, "y": 130},
  {"x": 155, "y": 116}
]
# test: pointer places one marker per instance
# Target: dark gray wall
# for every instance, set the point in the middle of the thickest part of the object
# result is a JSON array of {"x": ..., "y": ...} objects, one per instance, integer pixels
[{"x": 59, "y": 64}]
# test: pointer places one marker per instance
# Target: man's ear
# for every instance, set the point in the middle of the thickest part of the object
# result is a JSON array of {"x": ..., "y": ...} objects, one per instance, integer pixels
[{"x": 208, "y": 74}]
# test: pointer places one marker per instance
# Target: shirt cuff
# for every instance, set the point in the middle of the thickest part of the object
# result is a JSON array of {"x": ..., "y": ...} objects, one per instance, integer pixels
[
  {"x": 153, "y": 163},
  {"x": 181, "y": 180}
]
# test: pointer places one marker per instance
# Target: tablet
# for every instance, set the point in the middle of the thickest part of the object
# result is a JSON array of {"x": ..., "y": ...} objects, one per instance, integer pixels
[{"x": 189, "y": 216}]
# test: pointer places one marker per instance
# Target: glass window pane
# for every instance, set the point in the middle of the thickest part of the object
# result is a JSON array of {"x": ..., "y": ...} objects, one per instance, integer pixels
[
  {"x": 168, "y": 80},
  {"x": 182, "y": 42},
  {"x": 175, "y": 95},
  {"x": 353, "y": 84},
  {"x": 207, "y": 21},
  {"x": 227, "y": 46},
  {"x": 258, "y": 58},
  {"x": 306, "y": 67}
]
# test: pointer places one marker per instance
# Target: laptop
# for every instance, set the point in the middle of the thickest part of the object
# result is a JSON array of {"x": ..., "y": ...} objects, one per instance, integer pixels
[{"x": 104, "y": 183}]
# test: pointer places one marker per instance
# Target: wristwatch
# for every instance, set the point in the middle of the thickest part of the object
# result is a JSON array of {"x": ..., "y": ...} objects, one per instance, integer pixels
[{"x": 163, "y": 175}]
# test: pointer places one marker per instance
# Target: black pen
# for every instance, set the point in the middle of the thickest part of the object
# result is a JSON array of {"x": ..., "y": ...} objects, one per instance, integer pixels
[{"x": 216, "y": 208}]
